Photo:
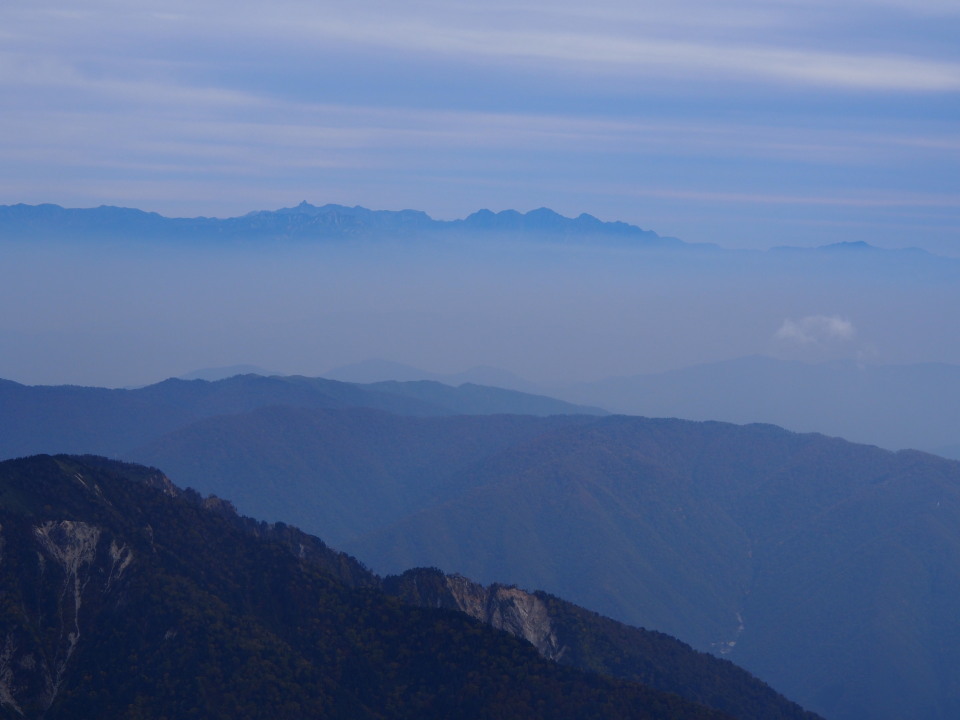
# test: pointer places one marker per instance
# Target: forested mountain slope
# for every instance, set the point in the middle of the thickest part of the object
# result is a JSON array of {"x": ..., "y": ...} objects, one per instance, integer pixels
[{"x": 126, "y": 597}]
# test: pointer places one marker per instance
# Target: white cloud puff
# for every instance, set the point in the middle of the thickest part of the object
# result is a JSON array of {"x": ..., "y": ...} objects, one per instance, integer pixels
[{"x": 816, "y": 330}]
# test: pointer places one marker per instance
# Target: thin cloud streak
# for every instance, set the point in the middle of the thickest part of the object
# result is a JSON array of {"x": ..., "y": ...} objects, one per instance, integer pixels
[
  {"x": 879, "y": 199},
  {"x": 661, "y": 48},
  {"x": 640, "y": 57},
  {"x": 305, "y": 126}
]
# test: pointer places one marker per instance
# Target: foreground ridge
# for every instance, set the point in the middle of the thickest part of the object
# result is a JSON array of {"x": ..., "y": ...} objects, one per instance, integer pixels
[{"x": 127, "y": 597}]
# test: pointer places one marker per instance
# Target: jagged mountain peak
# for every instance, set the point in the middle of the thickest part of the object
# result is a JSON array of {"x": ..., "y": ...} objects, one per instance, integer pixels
[{"x": 307, "y": 221}]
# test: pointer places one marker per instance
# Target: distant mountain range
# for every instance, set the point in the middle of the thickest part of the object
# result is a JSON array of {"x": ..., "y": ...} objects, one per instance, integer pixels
[
  {"x": 894, "y": 406},
  {"x": 306, "y": 222},
  {"x": 126, "y": 597},
  {"x": 309, "y": 222}
]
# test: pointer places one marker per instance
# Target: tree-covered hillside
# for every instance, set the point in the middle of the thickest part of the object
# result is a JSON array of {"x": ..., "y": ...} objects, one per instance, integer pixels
[{"x": 124, "y": 598}]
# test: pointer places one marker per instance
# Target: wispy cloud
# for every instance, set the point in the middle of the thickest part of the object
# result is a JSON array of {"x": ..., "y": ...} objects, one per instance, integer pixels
[
  {"x": 692, "y": 40},
  {"x": 609, "y": 53},
  {"x": 867, "y": 199}
]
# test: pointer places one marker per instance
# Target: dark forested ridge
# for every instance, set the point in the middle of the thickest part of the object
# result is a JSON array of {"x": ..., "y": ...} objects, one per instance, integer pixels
[{"x": 126, "y": 597}]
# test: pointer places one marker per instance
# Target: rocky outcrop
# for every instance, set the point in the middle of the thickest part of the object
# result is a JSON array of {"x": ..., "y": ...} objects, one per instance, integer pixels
[
  {"x": 75, "y": 565},
  {"x": 508, "y": 608},
  {"x": 72, "y": 547},
  {"x": 504, "y": 607}
]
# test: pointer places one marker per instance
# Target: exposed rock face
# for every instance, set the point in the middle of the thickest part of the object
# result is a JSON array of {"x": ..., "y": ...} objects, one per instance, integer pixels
[
  {"x": 75, "y": 566},
  {"x": 508, "y": 608},
  {"x": 504, "y": 607},
  {"x": 72, "y": 546}
]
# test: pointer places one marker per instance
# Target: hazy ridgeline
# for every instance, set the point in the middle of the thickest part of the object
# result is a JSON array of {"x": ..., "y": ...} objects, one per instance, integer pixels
[{"x": 571, "y": 307}]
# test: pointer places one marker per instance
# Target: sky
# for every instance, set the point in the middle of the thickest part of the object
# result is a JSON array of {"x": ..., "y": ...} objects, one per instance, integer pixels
[{"x": 746, "y": 124}]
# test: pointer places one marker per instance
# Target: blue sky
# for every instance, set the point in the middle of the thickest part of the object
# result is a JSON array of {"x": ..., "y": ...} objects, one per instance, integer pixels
[{"x": 748, "y": 124}]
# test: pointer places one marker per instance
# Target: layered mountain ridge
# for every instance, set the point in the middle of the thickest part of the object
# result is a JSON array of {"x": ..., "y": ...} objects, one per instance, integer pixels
[{"x": 826, "y": 568}]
